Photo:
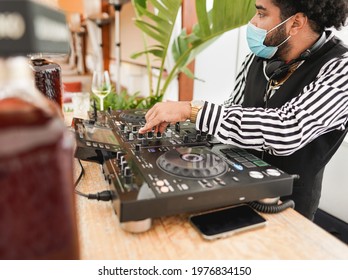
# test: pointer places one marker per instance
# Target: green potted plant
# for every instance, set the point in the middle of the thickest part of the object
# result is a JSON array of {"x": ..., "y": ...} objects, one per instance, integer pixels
[
  {"x": 156, "y": 19},
  {"x": 123, "y": 100}
]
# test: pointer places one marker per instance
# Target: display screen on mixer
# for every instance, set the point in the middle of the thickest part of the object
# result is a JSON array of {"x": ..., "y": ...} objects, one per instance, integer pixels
[{"x": 102, "y": 135}]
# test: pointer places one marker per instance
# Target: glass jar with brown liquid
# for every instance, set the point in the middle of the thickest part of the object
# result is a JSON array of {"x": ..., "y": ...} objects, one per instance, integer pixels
[{"x": 48, "y": 78}]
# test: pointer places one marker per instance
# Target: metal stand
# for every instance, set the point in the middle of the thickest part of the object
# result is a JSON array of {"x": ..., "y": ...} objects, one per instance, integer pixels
[
  {"x": 118, "y": 6},
  {"x": 137, "y": 226}
]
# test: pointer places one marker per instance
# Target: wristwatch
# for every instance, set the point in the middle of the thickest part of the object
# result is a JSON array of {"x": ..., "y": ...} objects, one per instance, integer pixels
[{"x": 196, "y": 105}]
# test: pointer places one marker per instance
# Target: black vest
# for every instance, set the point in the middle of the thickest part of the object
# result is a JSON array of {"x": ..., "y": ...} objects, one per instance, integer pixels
[{"x": 309, "y": 161}]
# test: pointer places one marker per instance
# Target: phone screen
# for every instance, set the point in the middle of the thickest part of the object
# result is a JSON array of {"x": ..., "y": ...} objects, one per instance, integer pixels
[{"x": 223, "y": 222}]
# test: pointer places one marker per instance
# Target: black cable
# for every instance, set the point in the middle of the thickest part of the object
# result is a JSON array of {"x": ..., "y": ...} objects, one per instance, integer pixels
[
  {"x": 80, "y": 193},
  {"x": 81, "y": 174},
  {"x": 103, "y": 195},
  {"x": 272, "y": 208}
]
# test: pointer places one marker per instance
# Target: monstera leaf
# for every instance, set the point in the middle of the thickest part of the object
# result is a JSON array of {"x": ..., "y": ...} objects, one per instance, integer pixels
[{"x": 159, "y": 22}]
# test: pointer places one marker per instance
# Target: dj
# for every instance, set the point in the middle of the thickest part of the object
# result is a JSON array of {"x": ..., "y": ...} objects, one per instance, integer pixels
[{"x": 290, "y": 101}]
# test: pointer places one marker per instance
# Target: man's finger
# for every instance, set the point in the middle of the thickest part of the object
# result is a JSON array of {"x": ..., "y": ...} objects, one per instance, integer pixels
[{"x": 162, "y": 126}]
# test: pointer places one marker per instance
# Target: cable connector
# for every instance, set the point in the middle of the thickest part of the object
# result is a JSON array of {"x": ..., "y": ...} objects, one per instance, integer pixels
[
  {"x": 104, "y": 196},
  {"x": 295, "y": 176}
]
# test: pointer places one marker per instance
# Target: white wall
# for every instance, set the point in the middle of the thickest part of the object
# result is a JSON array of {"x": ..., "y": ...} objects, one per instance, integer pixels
[
  {"x": 334, "y": 198},
  {"x": 343, "y": 34},
  {"x": 218, "y": 66}
]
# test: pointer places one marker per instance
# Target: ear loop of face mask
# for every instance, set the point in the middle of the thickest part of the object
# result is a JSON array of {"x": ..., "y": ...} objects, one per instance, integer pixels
[{"x": 275, "y": 27}]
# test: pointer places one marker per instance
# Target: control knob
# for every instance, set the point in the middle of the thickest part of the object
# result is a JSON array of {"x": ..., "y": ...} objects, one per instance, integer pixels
[
  {"x": 127, "y": 175},
  {"x": 124, "y": 164},
  {"x": 122, "y": 160},
  {"x": 169, "y": 133},
  {"x": 177, "y": 127},
  {"x": 144, "y": 142},
  {"x": 119, "y": 154}
]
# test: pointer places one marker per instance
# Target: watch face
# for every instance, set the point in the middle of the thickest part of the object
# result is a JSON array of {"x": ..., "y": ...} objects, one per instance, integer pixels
[{"x": 197, "y": 103}]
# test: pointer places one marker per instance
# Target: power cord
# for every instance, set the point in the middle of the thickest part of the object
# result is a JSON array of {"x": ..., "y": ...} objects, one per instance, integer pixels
[
  {"x": 272, "y": 208},
  {"x": 81, "y": 174},
  {"x": 103, "y": 195}
]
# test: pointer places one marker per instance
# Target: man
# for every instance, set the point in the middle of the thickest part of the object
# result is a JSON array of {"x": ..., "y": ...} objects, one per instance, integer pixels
[{"x": 290, "y": 101}]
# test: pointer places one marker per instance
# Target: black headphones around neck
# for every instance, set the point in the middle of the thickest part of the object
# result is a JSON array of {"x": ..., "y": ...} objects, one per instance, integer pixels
[{"x": 277, "y": 69}]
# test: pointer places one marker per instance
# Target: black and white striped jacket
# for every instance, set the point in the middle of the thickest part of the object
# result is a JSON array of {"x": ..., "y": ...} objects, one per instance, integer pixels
[{"x": 320, "y": 106}]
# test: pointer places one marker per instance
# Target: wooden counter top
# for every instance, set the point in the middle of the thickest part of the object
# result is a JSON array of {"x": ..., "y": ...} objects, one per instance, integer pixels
[{"x": 287, "y": 235}]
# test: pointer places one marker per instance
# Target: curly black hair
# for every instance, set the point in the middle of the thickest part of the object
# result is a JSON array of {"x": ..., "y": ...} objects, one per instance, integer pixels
[{"x": 322, "y": 14}]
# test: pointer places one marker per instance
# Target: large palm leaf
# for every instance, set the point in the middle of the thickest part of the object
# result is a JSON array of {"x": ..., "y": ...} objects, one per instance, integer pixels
[
  {"x": 158, "y": 23},
  {"x": 224, "y": 16}
]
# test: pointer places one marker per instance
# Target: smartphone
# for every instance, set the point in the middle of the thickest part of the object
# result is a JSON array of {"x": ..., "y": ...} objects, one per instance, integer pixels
[{"x": 227, "y": 221}]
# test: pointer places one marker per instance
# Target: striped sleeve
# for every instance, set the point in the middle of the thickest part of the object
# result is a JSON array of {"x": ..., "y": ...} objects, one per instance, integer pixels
[
  {"x": 237, "y": 95},
  {"x": 321, "y": 107}
]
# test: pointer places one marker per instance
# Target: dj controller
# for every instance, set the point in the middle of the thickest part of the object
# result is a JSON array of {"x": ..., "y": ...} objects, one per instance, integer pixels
[{"x": 179, "y": 171}]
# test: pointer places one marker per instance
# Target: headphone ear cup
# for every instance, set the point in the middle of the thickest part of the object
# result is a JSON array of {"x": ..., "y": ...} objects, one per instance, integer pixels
[
  {"x": 278, "y": 69},
  {"x": 281, "y": 72},
  {"x": 272, "y": 66},
  {"x": 305, "y": 54}
]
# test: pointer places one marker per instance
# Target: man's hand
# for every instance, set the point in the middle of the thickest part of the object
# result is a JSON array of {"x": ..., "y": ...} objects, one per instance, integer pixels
[{"x": 164, "y": 113}]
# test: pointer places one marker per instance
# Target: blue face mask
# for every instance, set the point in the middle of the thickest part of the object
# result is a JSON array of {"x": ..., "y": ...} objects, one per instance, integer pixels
[{"x": 256, "y": 37}]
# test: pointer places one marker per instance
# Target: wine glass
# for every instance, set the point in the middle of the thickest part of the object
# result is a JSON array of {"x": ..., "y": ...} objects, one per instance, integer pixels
[{"x": 101, "y": 86}]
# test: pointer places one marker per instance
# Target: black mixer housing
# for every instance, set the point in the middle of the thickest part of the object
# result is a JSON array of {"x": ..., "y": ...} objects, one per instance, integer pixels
[{"x": 180, "y": 171}]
